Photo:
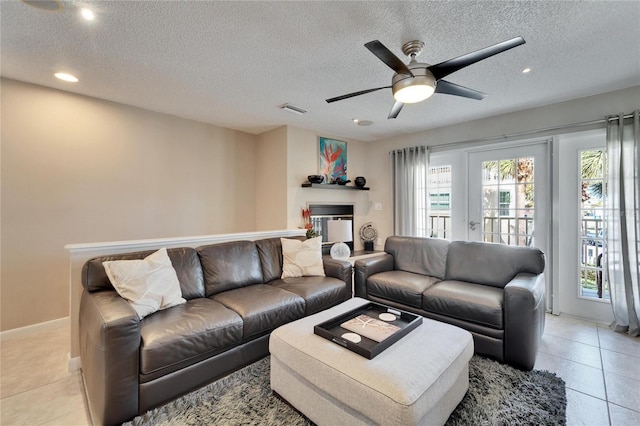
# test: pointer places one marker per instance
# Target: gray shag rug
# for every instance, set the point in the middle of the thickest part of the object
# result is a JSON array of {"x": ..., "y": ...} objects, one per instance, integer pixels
[{"x": 498, "y": 395}]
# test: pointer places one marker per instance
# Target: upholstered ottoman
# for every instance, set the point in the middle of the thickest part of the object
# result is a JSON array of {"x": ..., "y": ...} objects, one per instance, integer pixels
[{"x": 418, "y": 380}]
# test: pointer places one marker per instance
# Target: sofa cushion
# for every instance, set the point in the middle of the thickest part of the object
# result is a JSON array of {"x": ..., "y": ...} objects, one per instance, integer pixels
[
  {"x": 302, "y": 258},
  {"x": 491, "y": 264},
  {"x": 319, "y": 293},
  {"x": 183, "y": 335},
  {"x": 400, "y": 286},
  {"x": 426, "y": 256},
  {"x": 184, "y": 260},
  {"x": 231, "y": 265},
  {"x": 270, "y": 251},
  {"x": 466, "y": 301},
  {"x": 262, "y": 307},
  {"x": 148, "y": 284}
]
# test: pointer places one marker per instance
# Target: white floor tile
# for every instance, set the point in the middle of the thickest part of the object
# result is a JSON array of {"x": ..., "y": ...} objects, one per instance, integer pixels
[
  {"x": 618, "y": 342},
  {"x": 621, "y": 364},
  {"x": 579, "y": 377},
  {"x": 621, "y": 416},
  {"x": 623, "y": 391},
  {"x": 571, "y": 350},
  {"x": 586, "y": 410}
]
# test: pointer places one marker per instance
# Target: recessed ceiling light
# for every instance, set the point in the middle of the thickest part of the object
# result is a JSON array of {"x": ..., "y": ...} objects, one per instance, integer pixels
[
  {"x": 66, "y": 77},
  {"x": 87, "y": 14},
  {"x": 364, "y": 123},
  {"x": 526, "y": 70},
  {"x": 355, "y": 120}
]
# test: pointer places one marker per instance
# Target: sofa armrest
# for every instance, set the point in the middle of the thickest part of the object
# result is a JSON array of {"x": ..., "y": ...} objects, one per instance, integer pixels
[
  {"x": 524, "y": 310},
  {"x": 109, "y": 350},
  {"x": 340, "y": 269},
  {"x": 369, "y": 266}
]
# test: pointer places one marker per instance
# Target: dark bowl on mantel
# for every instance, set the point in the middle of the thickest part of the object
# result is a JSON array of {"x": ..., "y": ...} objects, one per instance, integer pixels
[
  {"x": 315, "y": 178},
  {"x": 342, "y": 182}
]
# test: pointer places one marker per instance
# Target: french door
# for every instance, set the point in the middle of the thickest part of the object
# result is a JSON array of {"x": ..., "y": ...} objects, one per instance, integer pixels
[
  {"x": 499, "y": 195},
  {"x": 508, "y": 193}
]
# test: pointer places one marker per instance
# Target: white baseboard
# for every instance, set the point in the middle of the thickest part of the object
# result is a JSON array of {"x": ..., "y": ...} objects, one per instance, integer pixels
[
  {"x": 35, "y": 328},
  {"x": 74, "y": 364}
]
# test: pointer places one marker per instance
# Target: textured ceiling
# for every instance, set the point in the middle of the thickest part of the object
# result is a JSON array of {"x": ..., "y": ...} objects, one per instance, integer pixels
[{"x": 234, "y": 63}]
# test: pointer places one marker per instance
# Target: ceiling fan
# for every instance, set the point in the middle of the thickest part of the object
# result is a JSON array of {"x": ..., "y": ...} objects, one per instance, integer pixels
[{"x": 417, "y": 81}]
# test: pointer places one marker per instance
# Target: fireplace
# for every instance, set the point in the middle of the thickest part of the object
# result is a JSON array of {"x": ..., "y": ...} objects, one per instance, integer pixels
[{"x": 321, "y": 213}]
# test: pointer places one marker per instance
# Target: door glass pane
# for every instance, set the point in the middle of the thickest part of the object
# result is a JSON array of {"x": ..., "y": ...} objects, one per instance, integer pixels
[
  {"x": 592, "y": 238},
  {"x": 439, "y": 224},
  {"x": 508, "y": 201}
]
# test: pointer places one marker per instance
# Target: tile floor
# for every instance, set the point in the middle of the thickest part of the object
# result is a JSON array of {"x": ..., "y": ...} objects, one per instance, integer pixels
[{"x": 601, "y": 369}]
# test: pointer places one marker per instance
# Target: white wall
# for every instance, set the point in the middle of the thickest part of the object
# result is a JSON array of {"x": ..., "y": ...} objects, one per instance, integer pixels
[
  {"x": 574, "y": 111},
  {"x": 303, "y": 160}
]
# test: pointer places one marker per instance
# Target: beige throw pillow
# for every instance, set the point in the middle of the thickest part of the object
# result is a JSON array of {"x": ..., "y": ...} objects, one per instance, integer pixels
[
  {"x": 149, "y": 285},
  {"x": 302, "y": 258}
]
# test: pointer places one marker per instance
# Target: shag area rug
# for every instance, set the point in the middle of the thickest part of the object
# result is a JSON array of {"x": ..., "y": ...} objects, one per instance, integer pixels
[{"x": 498, "y": 395}]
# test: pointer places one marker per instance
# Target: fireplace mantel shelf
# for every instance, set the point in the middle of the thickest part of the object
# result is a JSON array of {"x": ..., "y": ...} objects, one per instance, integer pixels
[{"x": 332, "y": 186}]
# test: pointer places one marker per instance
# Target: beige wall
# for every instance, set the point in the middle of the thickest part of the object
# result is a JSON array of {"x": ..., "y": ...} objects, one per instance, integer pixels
[
  {"x": 271, "y": 180},
  {"x": 574, "y": 111},
  {"x": 77, "y": 169}
]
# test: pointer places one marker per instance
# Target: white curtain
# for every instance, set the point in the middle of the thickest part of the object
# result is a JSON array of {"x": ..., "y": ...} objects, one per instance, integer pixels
[
  {"x": 623, "y": 222},
  {"x": 409, "y": 174}
]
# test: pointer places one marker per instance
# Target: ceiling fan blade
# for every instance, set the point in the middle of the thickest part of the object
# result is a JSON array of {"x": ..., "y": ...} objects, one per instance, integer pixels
[
  {"x": 395, "y": 110},
  {"x": 445, "y": 68},
  {"x": 448, "y": 88},
  {"x": 386, "y": 56},
  {"x": 351, "y": 95}
]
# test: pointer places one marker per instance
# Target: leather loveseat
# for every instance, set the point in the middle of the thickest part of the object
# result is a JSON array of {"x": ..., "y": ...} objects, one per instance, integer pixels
[
  {"x": 234, "y": 299},
  {"x": 494, "y": 291}
]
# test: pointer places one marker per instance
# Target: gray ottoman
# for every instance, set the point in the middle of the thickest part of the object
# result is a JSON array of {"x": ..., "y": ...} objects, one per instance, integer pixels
[{"x": 418, "y": 380}]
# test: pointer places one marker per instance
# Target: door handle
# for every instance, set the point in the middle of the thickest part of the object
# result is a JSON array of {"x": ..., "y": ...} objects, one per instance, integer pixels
[{"x": 472, "y": 225}]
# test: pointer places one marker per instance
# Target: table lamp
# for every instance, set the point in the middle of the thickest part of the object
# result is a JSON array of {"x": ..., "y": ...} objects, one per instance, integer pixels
[{"x": 339, "y": 232}]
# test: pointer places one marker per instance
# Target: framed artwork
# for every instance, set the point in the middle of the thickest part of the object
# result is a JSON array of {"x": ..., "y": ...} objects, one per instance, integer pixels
[{"x": 333, "y": 159}]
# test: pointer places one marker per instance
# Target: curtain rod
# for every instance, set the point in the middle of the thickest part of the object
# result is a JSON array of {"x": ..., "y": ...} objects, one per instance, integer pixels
[{"x": 527, "y": 132}]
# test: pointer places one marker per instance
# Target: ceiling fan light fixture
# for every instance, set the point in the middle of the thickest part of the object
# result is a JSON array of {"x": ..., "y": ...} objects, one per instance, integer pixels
[
  {"x": 413, "y": 94},
  {"x": 410, "y": 90}
]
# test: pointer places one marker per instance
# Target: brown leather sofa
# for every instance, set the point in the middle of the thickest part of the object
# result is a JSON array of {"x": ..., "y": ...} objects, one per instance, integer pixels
[
  {"x": 235, "y": 298},
  {"x": 494, "y": 291}
]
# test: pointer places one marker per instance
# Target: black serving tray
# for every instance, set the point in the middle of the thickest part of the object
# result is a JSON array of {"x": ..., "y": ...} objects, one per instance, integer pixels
[{"x": 368, "y": 348}]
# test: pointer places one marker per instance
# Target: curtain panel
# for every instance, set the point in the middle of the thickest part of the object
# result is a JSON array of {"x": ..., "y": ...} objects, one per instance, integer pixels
[
  {"x": 623, "y": 221},
  {"x": 409, "y": 168}
]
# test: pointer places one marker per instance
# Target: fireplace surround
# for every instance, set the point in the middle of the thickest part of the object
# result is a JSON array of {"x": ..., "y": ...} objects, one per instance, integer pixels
[{"x": 321, "y": 213}]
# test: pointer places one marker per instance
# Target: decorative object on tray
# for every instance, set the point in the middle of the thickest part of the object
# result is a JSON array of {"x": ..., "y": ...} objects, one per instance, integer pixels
[
  {"x": 342, "y": 182},
  {"x": 333, "y": 159},
  {"x": 306, "y": 218},
  {"x": 360, "y": 181},
  {"x": 315, "y": 178},
  {"x": 339, "y": 232},
  {"x": 368, "y": 234},
  {"x": 361, "y": 321},
  {"x": 371, "y": 328}
]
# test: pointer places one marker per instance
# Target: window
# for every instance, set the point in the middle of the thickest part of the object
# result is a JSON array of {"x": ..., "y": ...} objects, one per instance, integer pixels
[
  {"x": 505, "y": 203},
  {"x": 508, "y": 201},
  {"x": 439, "y": 225},
  {"x": 592, "y": 282}
]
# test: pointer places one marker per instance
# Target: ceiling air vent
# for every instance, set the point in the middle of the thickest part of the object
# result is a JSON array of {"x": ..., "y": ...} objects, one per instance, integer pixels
[{"x": 294, "y": 109}]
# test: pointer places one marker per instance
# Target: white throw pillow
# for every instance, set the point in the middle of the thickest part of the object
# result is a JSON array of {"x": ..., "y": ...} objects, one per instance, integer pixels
[
  {"x": 302, "y": 258},
  {"x": 149, "y": 285}
]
